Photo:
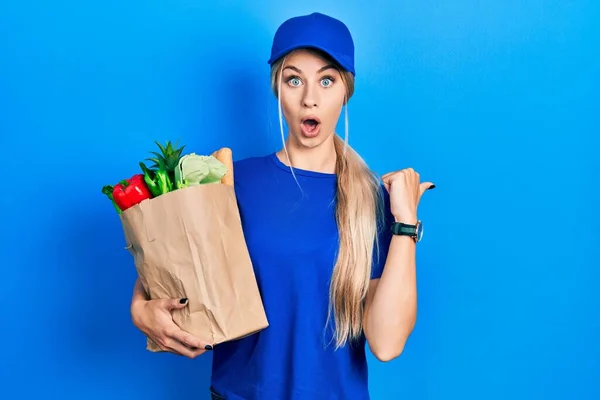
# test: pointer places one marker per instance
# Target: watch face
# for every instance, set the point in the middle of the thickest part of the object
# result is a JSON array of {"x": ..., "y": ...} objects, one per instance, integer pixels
[{"x": 419, "y": 231}]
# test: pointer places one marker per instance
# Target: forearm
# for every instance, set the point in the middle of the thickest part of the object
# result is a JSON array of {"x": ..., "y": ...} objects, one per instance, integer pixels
[
  {"x": 139, "y": 295},
  {"x": 392, "y": 309}
]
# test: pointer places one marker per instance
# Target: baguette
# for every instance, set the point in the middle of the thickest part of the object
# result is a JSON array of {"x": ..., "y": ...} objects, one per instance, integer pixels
[{"x": 225, "y": 156}]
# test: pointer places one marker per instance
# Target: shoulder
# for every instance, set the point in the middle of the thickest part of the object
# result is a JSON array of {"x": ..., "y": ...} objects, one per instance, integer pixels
[
  {"x": 253, "y": 172},
  {"x": 252, "y": 162},
  {"x": 249, "y": 167},
  {"x": 384, "y": 215},
  {"x": 384, "y": 201}
]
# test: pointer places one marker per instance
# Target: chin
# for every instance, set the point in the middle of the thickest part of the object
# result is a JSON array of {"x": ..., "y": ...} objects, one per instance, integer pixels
[{"x": 311, "y": 142}]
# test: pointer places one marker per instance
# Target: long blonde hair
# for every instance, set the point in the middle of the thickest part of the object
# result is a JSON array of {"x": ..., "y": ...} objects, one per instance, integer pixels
[{"x": 358, "y": 207}]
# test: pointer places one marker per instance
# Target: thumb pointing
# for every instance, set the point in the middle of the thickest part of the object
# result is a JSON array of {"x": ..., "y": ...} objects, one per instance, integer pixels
[{"x": 426, "y": 186}]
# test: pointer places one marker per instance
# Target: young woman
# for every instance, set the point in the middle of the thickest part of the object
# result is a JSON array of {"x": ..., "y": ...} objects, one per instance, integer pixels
[{"x": 333, "y": 248}]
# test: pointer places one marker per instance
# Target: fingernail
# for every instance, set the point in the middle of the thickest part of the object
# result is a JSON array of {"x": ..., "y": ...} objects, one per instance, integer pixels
[
  {"x": 208, "y": 347},
  {"x": 183, "y": 301},
  {"x": 431, "y": 187}
]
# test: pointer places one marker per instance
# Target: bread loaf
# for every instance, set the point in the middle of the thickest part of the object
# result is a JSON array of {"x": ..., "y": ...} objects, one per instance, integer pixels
[{"x": 225, "y": 156}]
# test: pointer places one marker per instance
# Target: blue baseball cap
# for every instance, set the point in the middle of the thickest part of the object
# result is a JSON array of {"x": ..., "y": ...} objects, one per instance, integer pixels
[{"x": 318, "y": 31}]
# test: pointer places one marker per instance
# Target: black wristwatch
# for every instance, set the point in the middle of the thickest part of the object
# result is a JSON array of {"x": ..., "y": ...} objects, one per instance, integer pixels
[{"x": 414, "y": 231}]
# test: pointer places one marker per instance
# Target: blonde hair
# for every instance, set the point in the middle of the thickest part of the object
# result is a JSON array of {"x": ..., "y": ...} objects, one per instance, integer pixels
[{"x": 358, "y": 206}]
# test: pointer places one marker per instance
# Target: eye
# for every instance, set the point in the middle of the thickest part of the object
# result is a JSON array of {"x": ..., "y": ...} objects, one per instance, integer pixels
[
  {"x": 294, "y": 81},
  {"x": 327, "y": 81}
]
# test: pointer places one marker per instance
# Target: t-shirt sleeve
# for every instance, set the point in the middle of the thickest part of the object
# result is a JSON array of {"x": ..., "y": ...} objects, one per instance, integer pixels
[{"x": 385, "y": 237}]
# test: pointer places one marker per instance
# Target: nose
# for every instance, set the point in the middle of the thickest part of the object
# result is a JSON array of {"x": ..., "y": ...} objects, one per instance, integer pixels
[{"x": 310, "y": 98}]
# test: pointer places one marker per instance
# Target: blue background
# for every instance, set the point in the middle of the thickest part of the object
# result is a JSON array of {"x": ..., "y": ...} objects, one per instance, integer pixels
[{"x": 495, "y": 101}]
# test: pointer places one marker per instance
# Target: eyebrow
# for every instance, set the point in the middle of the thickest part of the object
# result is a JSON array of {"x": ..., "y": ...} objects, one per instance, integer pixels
[{"x": 328, "y": 66}]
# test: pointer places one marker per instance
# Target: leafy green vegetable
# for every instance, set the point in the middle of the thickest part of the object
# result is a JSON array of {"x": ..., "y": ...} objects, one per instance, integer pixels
[{"x": 194, "y": 169}]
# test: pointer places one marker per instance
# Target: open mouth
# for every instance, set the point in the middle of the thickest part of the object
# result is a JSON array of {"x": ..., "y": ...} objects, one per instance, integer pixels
[{"x": 310, "y": 125}]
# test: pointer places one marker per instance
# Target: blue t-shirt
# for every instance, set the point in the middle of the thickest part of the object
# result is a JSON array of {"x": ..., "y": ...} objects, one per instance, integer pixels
[{"x": 292, "y": 238}]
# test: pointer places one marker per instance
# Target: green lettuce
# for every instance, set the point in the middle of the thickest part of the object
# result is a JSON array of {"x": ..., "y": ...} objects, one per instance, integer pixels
[{"x": 195, "y": 170}]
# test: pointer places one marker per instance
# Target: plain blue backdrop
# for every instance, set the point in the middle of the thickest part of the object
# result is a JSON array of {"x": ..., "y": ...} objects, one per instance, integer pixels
[{"x": 494, "y": 101}]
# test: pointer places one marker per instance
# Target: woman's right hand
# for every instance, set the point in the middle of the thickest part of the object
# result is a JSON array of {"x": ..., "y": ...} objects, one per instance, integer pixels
[{"x": 153, "y": 317}]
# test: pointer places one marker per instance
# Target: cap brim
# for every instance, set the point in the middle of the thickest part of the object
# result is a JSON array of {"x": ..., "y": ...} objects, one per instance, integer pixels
[{"x": 337, "y": 58}]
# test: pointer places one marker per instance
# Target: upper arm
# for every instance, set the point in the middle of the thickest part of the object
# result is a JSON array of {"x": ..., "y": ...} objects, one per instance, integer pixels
[
  {"x": 368, "y": 301},
  {"x": 380, "y": 251},
  {"x": 371, "y": 292}
]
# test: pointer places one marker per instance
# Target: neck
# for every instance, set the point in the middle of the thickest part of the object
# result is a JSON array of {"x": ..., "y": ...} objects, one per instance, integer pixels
[{"x": 319, "y": 159}]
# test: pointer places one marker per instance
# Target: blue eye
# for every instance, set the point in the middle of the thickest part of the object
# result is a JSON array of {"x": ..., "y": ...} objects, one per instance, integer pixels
[
  {"x": 294, "y": 81},
  {"x": 326, "y": 82}
]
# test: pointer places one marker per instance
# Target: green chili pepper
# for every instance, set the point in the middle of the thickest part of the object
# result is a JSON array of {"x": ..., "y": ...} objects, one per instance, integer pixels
[{"x": 150, "y": 177}]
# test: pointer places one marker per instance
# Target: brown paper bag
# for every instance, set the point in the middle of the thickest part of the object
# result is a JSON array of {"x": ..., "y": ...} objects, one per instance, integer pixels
[{"x": 190, "y": 243}]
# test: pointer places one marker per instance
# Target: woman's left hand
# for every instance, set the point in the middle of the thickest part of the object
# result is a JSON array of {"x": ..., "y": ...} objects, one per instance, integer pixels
[{"x": 405, "y": 189}]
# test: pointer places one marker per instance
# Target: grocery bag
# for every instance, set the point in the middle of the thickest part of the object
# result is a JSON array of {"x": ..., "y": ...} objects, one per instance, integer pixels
[{"x": 190, "y": 243}]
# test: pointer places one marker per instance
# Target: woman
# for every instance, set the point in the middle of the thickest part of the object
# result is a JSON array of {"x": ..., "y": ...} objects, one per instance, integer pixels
[{"x": 333, "y": 249}]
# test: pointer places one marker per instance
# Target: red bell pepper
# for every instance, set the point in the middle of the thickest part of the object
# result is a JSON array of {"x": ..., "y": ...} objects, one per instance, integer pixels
[{"x": 128, "y": 192}]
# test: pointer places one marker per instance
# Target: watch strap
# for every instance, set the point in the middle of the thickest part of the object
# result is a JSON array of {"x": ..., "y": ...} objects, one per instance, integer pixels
[{"x": 399, "y": 228}]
